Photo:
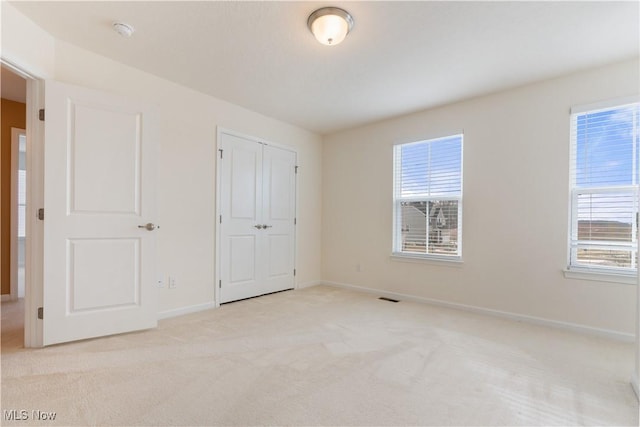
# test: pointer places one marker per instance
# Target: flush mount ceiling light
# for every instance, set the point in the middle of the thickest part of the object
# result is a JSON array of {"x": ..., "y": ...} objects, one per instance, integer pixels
[
  {"x": 125, "y": 30},
  {"x": 330, "y": 25}
]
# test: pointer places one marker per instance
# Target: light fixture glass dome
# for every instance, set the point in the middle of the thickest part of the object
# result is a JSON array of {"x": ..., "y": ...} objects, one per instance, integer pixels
[
  {"x": 330, "y": 25},
  {"x": 125, "y": 30}
]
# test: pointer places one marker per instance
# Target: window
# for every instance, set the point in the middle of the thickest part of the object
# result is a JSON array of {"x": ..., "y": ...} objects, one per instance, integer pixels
[
  {"x": 604, "y": 189},
  {"x": 427, "y": 197},
  {"x": 22, "y": 184}
]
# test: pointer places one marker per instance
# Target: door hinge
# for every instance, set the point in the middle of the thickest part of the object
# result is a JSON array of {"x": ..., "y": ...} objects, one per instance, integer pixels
[
  {"x": 40, "y": 313},
  {"x": 296, "y": 169},
  {"x": 295, "y": 221},
  {"x": 41, "y": 214},
  {"x": 41, "y": 114},
  {"x": 220, "y": 219},
  {"x": 294, "y": 271},
  {"x": 219, "y": 284},
  {"x": 221, "y": 151}
]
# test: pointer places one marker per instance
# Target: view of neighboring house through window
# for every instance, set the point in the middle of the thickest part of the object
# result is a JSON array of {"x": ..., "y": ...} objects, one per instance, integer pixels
[
  {"x": 427, "y": 198},
  {"x": 604, "y": 189}
]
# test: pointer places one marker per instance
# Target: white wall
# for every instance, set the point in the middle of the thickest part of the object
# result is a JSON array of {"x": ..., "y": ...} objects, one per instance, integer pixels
[
  {"x": 516, "y": 193},
  {"x": 186, "y": 168},
  {"x": 25, "y": 44}
]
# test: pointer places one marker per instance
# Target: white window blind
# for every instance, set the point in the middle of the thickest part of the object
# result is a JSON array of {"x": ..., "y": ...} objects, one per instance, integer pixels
[
  {"x": 22, "y": 184},
  {"x": 427, "y": 198},
  {"x": 604, "y": 189}
]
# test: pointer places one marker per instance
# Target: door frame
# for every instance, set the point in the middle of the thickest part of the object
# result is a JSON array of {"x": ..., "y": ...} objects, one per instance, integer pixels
[
  {"x": 34, "y": 200},
  {"x": 218, "y": 227}
]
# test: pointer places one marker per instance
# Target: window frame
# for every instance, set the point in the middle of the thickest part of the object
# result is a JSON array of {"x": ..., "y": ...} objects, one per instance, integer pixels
[
  {"x": 598, "y": 272},
  {"x": 396, "y": 243}
]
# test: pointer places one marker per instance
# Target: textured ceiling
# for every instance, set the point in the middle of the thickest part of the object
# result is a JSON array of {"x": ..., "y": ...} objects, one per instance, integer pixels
[{"x": 400, "y": 57}]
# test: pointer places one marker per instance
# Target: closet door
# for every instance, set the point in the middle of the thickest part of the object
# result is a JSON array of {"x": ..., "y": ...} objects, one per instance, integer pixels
[
  {"x": 257, "y": 221},
  {"x": 241, "y": 221},
  {"x": 278, "y": 213}
]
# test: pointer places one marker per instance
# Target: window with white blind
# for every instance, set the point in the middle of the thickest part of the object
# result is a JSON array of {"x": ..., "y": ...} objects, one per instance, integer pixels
[
  {"x": 605, "y": 157},
  {"x": 22, "y": 184},
  {"x": 427, "y": 198}
]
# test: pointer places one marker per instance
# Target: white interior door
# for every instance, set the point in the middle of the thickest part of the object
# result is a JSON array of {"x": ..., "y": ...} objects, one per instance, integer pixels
[
  {"x": 241, "y": 198},
  {"x": 99, "y": 266},
  {"x": 278, "y": 216},
  {"x": 257, "y": 196}
]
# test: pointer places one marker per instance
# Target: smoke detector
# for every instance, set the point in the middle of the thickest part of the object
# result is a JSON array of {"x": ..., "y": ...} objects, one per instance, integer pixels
[{"x": 125, "y": 30}]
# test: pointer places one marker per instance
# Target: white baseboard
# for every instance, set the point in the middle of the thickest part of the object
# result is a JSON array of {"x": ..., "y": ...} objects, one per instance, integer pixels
[
  {"x": 636, "y": 385},
  {"x": 185, "y": 310},
  {"x": 309, "y": 284},
  {"x": 208, "y": 305},
  {"x": 619, "y": 336}
]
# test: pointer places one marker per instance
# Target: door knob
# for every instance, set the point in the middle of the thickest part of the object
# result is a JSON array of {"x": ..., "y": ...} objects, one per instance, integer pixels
[
  {"x": 259, "y": 226},
  {"x": 265, "y": 226},
  {"x": 148, "y": 226}
]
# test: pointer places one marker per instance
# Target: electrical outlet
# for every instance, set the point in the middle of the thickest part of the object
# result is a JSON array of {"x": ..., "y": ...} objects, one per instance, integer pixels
[{"x": 172, "y": 282}]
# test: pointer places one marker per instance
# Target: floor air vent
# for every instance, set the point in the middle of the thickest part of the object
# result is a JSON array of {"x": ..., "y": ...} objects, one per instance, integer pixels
[{"x": 388, "y": 299}]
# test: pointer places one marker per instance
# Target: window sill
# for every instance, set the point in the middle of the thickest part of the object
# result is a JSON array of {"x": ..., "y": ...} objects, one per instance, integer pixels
[
  {"x": 428, "y": 259},
  {"x": 601, "y": 276}
]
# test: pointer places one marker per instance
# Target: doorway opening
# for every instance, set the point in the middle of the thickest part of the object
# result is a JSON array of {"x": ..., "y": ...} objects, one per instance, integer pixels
[{"x": 13, "y": 175}]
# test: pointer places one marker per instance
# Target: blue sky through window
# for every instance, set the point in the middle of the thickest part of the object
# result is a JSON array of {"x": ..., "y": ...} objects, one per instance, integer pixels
[
  {"x": 606, "y": 146},
  {"x": 607, "y": 156},
  {"x": 432, "y": 168}
]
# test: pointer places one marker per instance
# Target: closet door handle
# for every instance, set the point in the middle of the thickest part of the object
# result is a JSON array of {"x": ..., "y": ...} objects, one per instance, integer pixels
[
  {"x": 259, "y": 226},
  {"x": 265, "y": 226}
]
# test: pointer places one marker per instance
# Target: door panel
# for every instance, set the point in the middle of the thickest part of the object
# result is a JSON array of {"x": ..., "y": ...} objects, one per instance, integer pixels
[
  {"x": 240, "y": 195},
  {"x": 102, "y": 142},
  {"x": 279, "y": 207},
  {"x": 279, "y": 185},
  {"x": 257, "y": 189},
  {"x": 242, "y": 265},
  {"x": 99, "y": 267},
  {"x": 244, "y": 180},
  {"x": 96, "y": 285},
  {"x": 279, "y": 253}
]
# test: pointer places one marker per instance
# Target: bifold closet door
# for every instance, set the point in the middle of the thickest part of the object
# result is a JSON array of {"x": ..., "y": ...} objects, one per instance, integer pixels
[
  {"x": 278, "y": 215},
  {"x": 257, "y": 246}
]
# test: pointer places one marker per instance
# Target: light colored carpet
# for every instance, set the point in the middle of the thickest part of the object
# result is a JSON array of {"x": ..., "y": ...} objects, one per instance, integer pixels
[{"x": 325, "y": 356}]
